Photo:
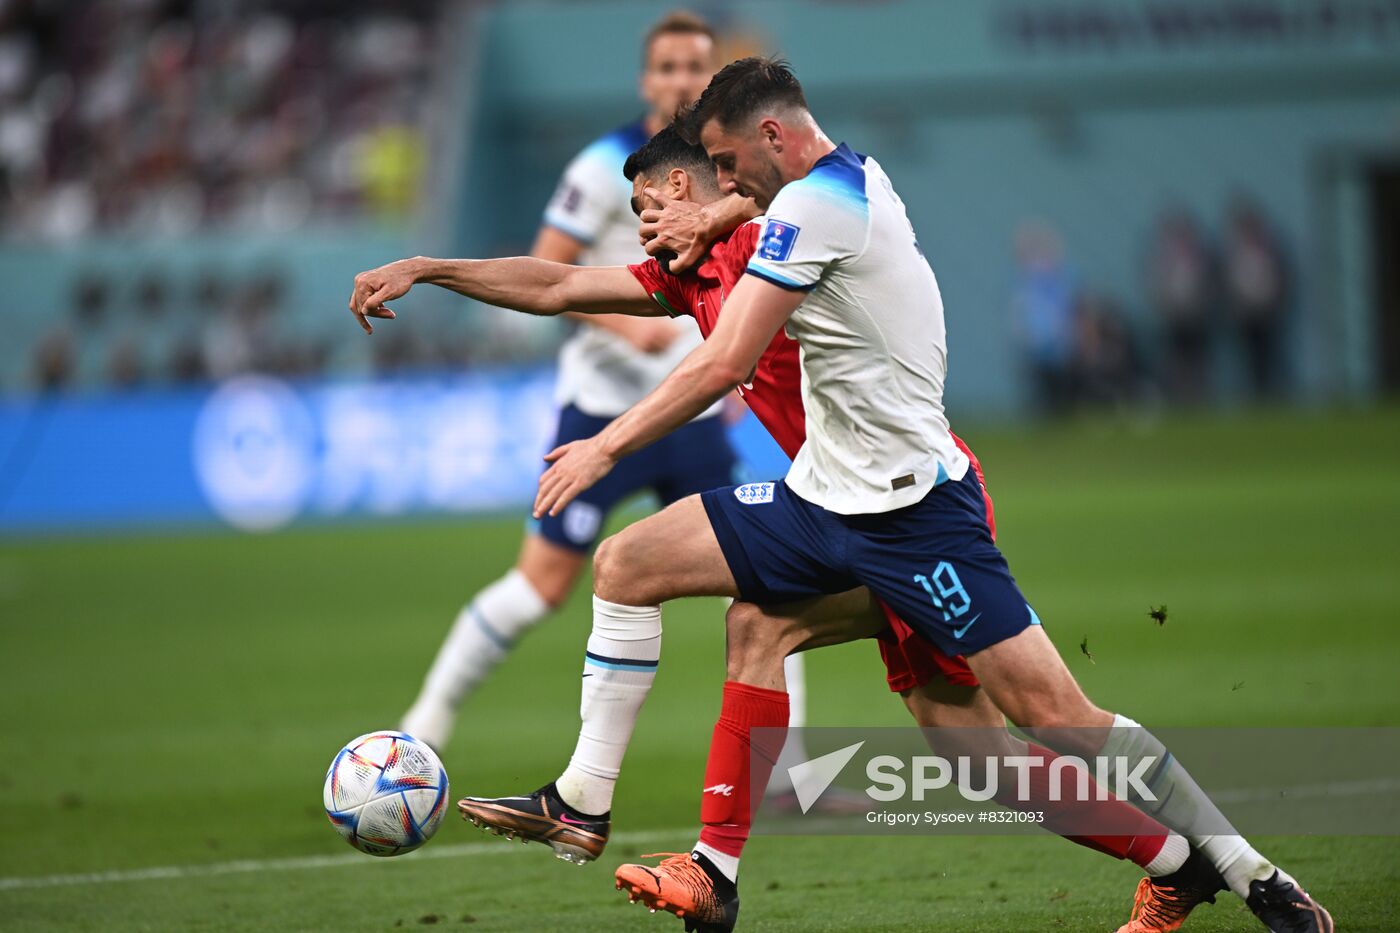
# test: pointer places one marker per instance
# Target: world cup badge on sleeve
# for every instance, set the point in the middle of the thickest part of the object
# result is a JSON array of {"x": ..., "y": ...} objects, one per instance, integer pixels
[{"x": 777, "y": 241}]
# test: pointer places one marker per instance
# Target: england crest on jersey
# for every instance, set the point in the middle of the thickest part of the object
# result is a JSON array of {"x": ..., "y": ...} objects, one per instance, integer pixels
[{"x": 754, "y": 493}]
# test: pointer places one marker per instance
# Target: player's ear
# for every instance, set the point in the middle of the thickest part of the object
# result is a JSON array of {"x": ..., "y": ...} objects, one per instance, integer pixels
[
  {"x": 771, "y": 132},
  {"x": 679, "y": 181}
]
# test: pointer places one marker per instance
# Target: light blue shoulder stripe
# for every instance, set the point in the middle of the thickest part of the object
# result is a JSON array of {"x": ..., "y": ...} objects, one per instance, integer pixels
[
  {"x": 615, "y": 147},
  {"x": 606, "y": 153},
  {"x": 839, "y": 177}
]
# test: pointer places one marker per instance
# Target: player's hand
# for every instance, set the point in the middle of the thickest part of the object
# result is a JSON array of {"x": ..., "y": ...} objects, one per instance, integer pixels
[
  {"x": 680, "y": 227},
  {"x": 377, "y": 286},
  {"x": 649, "y": 334},
  {"x": 575, "y": 467}
]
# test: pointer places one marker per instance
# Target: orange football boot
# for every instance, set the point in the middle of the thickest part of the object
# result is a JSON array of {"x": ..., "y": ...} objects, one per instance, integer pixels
[
  {"x": 1162, "y": 905},
  {"x": 687, "y": 885}
]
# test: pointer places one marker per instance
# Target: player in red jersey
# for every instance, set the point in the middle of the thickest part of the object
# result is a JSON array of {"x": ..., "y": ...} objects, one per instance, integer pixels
[{"x": 939, "y": 690}]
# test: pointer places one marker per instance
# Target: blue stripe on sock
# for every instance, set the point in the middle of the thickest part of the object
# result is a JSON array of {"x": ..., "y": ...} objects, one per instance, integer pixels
[
  {"x": 618, "y": 664},
  {"x": 1154, "y": 781},
  {"x": 499, "y": 640}
]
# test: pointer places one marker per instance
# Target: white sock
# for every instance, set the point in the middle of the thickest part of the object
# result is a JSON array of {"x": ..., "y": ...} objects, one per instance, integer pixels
[
  {"x": 728, "y": 865},
  {"x": 794, "y": 747},
  {"x": 484, "y": 632},
  {"x": 1236, "y": 860},
  {"x": 1173, "y": 855},
  {"x": 1182, "y": 806},
  {"x": 623, "y": 651}
]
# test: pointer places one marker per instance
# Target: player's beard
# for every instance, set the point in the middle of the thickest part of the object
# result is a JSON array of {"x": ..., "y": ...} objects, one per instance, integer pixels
[{"x": 766, "y": 188}]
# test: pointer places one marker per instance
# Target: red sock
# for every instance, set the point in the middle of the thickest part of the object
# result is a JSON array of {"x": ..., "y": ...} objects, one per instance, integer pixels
[
  {"x": 1125, "y": 831},
  {"x": 731, "y": 771}
]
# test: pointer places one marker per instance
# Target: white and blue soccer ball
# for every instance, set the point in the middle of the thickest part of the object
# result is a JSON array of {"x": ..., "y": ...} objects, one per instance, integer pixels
[{"x": 386, "y": 793}]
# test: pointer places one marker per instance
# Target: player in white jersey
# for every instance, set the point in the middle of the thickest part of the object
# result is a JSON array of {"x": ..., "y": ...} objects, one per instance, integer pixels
[
  {"x": 879, "y": 496},
  {"x": 609, "y": 364}
]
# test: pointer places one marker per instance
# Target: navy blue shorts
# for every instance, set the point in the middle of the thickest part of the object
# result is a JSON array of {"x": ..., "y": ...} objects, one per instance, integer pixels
[
  {"x": 933, "y": 562},
  {"x": 687, "y": 461}
]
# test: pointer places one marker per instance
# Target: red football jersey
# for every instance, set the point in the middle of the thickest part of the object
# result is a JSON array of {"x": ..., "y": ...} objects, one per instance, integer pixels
[{"x": 775, "y": 395}]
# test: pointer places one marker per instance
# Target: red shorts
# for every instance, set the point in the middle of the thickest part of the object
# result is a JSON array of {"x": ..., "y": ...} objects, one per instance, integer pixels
[{"x": 910, "y": 660}]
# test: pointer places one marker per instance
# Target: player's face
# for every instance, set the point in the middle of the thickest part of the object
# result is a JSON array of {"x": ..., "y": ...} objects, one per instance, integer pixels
[
  {"x": 745, "y": 162},
  {"x": 679, "y": 66}
]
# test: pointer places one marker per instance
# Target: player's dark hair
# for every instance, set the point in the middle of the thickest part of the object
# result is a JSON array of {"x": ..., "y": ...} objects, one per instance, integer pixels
[
  {"x": 667, "y": 150},
  {"x": 676, "y": 23},
  {"x": 741, "y": 90}
]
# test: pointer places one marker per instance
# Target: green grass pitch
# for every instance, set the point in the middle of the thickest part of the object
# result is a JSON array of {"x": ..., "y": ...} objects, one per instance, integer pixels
[{"x": 174, "y": 700}]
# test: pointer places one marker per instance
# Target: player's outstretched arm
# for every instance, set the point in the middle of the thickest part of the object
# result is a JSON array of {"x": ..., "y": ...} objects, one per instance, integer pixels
[
  {"x": 752, "y": 315},
  {"x": 647, "y": 336},
  {"x": 533, "y": 286}
]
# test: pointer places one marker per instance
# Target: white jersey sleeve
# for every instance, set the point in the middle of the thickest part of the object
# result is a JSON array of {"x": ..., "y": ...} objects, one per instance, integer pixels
[
  {"x": 810, "y": 226},
  {"x": 585, "y": 203}
]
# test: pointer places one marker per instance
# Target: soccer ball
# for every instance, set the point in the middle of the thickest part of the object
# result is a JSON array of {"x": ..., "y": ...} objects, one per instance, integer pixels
[{"x": 386, "y": 793}]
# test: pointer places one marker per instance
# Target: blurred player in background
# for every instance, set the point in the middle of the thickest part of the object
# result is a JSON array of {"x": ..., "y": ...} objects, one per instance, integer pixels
[{"x": 609, "y": 364}]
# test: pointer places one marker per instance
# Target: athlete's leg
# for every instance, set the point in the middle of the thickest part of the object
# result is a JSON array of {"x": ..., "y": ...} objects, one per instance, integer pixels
[
  {"x": 689, "y": 549},
  {"x": 965, "y": 719},
  {"x": 486, "y": 629},
  {"x": 757, "y": 642},
  {"x": 551, "y": 569},
  {"x": 671, "y": 554},
  {"x": 758, "y": 639},
  {"x": 704, "y": 885},
  {"x": 668, "y": 555},
  {"x": 936, "y": 565},
  {"x": 552, "y": 556},
  {"x": 1029, "y": 681}
]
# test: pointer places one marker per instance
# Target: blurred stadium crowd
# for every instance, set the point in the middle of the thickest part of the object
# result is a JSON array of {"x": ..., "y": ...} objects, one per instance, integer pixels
[
  {"x": 172, "y": 118},
  {"x": 1226, "y": 295},
  {"x": 168, "y": 117},
  {"x": 186, "y": 118}
]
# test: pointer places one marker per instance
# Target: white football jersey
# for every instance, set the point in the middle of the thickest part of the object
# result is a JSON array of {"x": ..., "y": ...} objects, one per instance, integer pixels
[
  {"x": 600, "y": 373},
  {"x": 873, "y": 344}
]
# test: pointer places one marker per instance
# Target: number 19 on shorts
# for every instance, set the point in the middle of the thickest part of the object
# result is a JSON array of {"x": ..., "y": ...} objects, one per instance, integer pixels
[{"x": 946, "y": 591}]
